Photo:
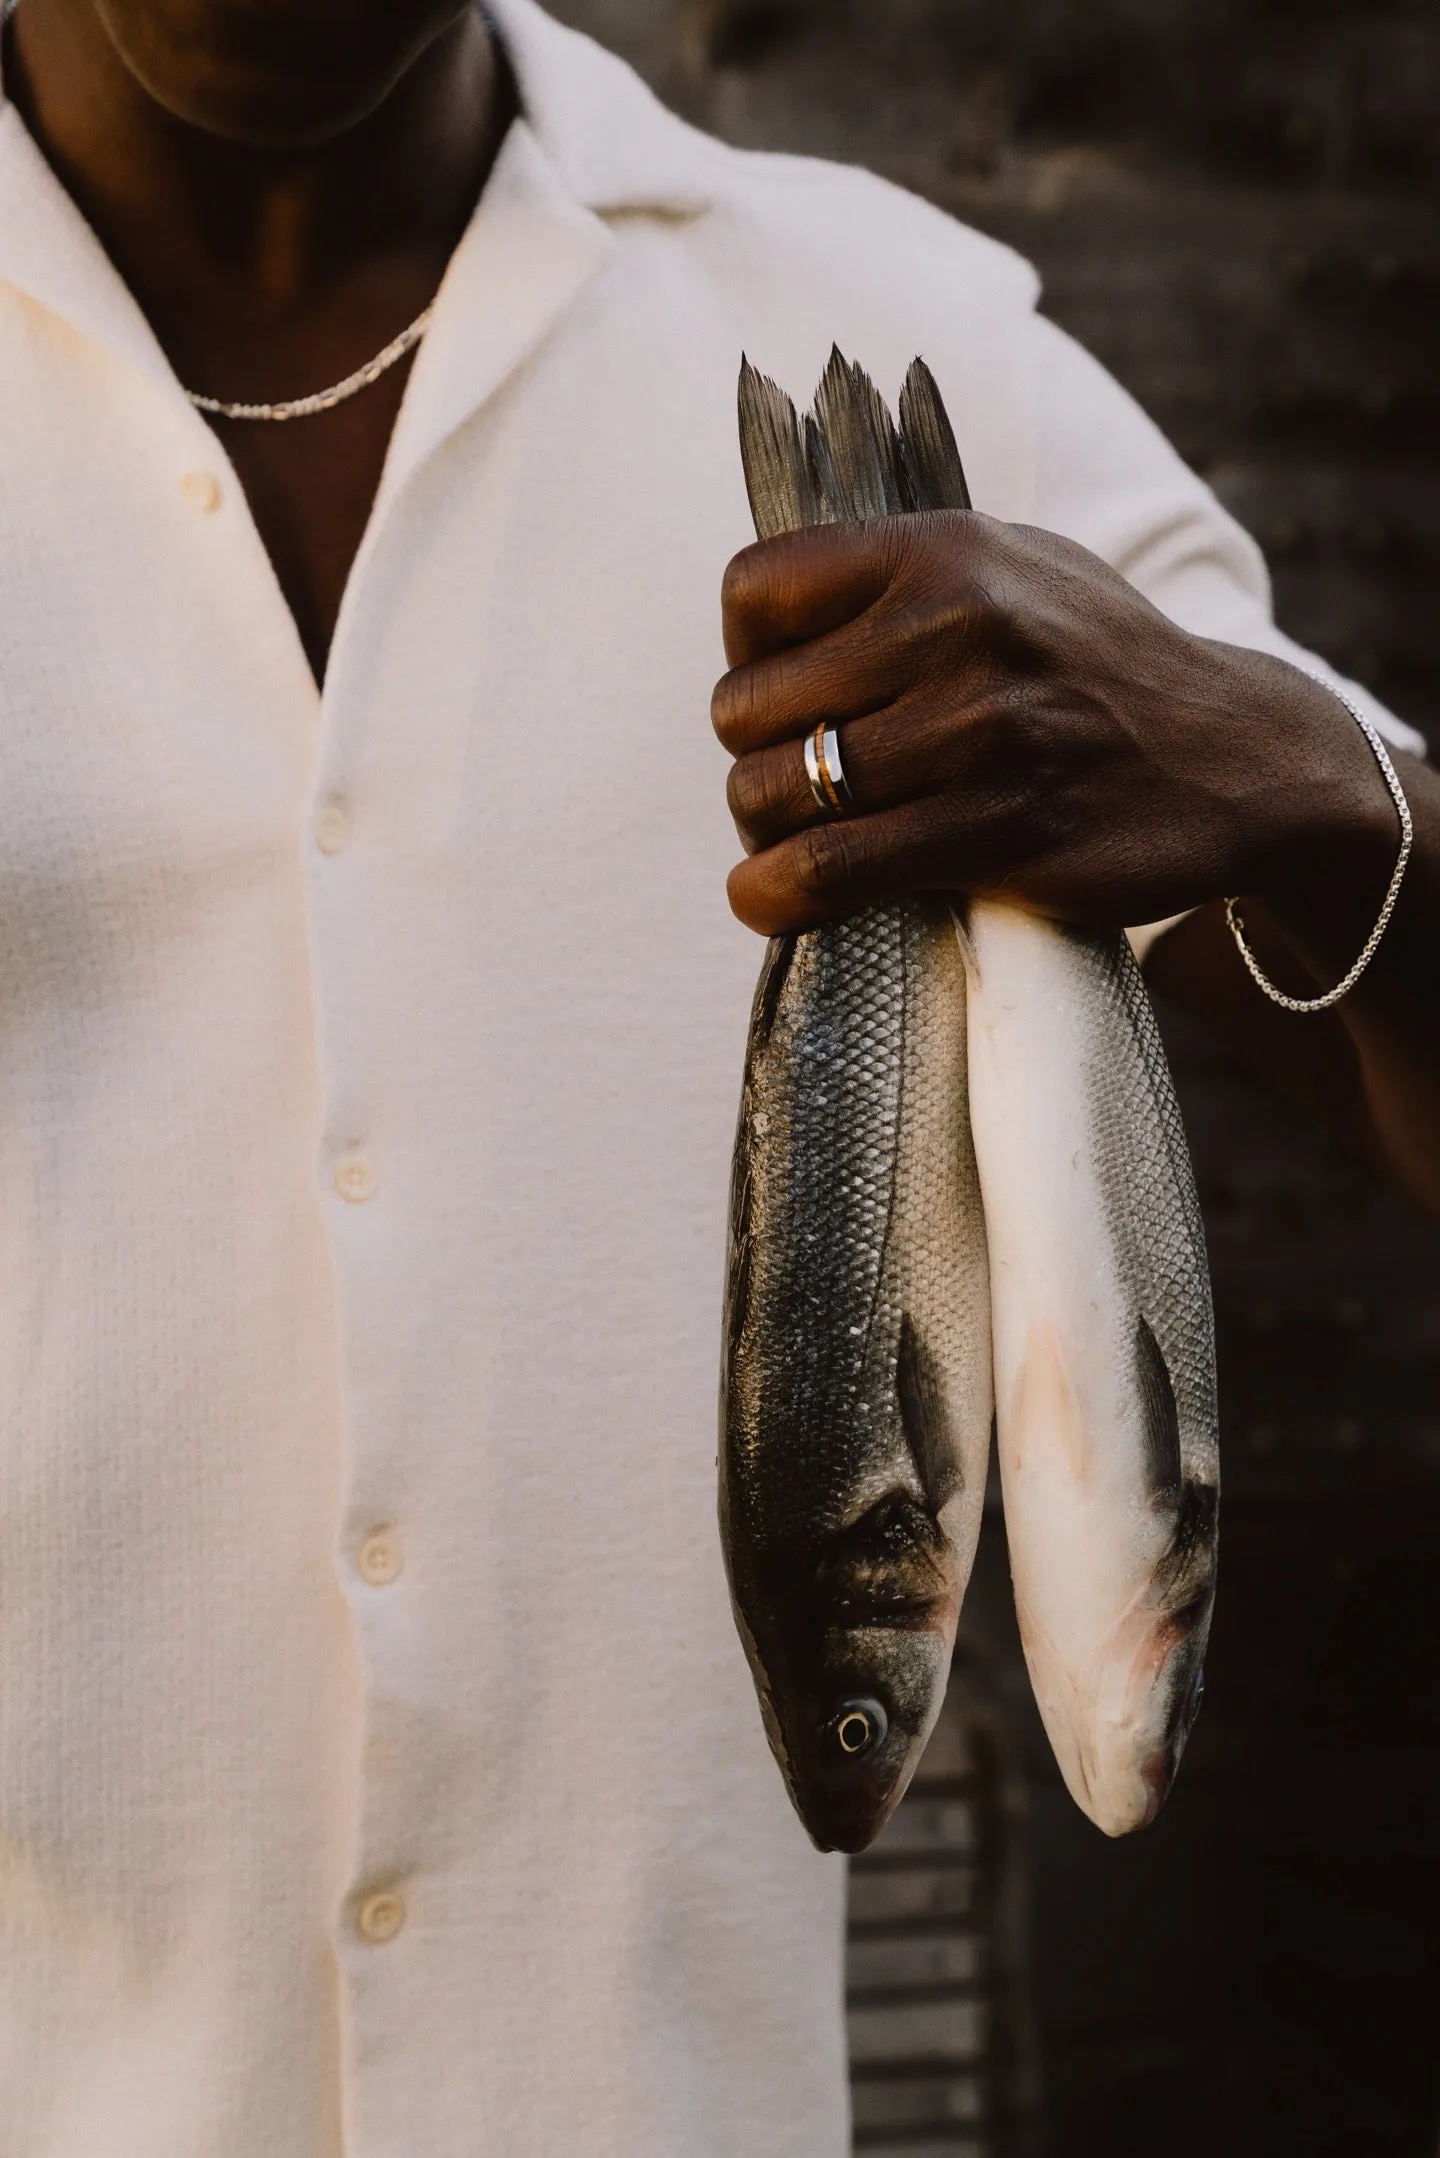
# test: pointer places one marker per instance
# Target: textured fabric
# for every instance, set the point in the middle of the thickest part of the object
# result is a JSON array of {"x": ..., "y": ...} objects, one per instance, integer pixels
[{"x": 368, "y": 1070}]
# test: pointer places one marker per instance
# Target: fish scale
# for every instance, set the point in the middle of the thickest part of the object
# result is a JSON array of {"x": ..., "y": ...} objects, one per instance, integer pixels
[
  {"x": 844, "y": 1107},
  {"x": 1153, "y": 1207}
]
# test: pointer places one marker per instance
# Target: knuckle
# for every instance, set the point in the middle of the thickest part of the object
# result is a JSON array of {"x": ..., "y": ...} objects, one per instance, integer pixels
[
  {"x": 720, "y": 709},
  {"x": 748, "y": 791},
  {"x": 760, "y": 587},
  {"x": 1015, "y": 729},
  {"x": 753, "y": 706},
  {"x": 742, "y": 584},
  {"x": 737, "y": 893},
  {"x": 772, "y": 791},
  {"x": 924, "y": 557},
  {"x": 965, "y": 619},
  {"x": 732, "y": 706},
  {"x": 1005, "y": 731},
  {"x": 1033, "y": 732},
  {"x": 824, "y": 859},
  {"x": 937, "y": 544},
  {"x": 763, "y": 797}
]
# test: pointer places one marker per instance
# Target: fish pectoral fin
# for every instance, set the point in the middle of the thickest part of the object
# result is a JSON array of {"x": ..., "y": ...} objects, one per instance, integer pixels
[
  {"x": 1164, "y": 1470},
  {"x": 895, "y": 1564},
  {"x": 774, "y": 974},
  {"x": 924, "y": 1420},
  {"x": 740, "y": 1258},
  {"x": 960, "y": 917},
  {"x": 1185, "y": 1576}
]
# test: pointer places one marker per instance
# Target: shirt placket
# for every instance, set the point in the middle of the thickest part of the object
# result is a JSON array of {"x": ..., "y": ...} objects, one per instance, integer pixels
[{"x": 528, "y": 255}]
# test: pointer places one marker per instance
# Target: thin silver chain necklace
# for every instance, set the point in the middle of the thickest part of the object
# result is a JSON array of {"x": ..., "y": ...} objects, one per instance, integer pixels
[{"x": 301, "y": 408}]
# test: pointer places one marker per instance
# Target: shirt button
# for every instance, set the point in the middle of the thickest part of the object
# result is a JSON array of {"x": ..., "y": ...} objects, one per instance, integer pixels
[
  {"x": 332, "y": 826},
  {"x": 355, "y": 1179},
  {"x": 201, "y": 490},
  {"x": 380, "y": 1918},
  {"x": 379, "y": 1560}
]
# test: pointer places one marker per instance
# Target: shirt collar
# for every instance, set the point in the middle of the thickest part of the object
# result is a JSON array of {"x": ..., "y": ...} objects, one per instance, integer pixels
[
  {"x": 527, "y": 255},
  {"x": 614, "y": 144},
  {"x": 49, "y": 253},
  {"x": 593, "y": 142}
]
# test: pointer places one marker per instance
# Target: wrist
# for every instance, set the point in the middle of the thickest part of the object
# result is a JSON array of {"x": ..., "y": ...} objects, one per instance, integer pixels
[
  {"x": 1341, "y": 840},
  {"x": 1322, "y": 816}
]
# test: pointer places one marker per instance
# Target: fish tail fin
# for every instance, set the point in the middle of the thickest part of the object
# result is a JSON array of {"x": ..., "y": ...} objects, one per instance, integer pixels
[
  {"x": 929, "y": 439},
  {"x": 778, "y": 475},
  {"x": 864, "y": 448},
  {"x": 829, "y": 501}
]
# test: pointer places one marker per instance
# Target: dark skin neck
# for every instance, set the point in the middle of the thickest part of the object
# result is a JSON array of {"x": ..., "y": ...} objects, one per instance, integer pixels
[{"x": 268, "y": 274}]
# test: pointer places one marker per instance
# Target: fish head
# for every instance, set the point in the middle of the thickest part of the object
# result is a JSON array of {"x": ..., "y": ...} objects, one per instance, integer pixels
[
  {"x": 1146, "y": 1704},
  {"x": 1119, "y": 1721},
  {"x": 855, "y": 1664}
]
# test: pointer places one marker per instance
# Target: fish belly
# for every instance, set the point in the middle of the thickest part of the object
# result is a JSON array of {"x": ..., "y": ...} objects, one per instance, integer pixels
[{"x": 1103, "y": 1349}]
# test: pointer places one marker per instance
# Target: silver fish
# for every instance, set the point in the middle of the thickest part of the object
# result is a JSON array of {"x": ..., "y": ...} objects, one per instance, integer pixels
[
  {"x": 856, "y": 1392},
  {"x": 856, "y": 1389},
  {"x": 1104, "y": 1354},
  {"x": 1104, "y": 1333}
]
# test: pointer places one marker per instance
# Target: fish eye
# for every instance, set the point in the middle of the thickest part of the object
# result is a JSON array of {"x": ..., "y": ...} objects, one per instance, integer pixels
[{"x": 859, "y": 1727}]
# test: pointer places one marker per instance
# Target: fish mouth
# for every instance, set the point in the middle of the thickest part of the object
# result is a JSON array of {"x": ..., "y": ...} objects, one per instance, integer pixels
[
  {"x": 846, "y": 1776},
  {"x": 838, "y": 1818}
]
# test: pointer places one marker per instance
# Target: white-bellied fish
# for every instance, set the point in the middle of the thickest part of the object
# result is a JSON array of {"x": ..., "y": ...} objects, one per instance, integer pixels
[
  {"x": 1104, "y": 1335},
  {"x": 857, "y": 1377}
]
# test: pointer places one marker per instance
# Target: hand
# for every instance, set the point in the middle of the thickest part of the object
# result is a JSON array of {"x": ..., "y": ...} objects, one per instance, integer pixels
[{"x": 1015, "y": 718}]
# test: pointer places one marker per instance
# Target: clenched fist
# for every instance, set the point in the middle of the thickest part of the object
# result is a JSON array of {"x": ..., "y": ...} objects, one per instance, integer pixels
[{"x": 1015, "y": 718}]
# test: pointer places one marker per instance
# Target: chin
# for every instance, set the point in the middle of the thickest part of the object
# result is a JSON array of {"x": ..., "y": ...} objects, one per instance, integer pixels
[{"x": 274, "y": 74}]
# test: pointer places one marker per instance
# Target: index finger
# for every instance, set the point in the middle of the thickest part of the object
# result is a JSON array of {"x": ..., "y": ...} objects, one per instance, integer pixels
[{"x": 784, "y": 591}]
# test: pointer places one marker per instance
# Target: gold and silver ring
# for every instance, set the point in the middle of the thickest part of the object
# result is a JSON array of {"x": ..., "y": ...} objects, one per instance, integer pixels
[{"x": 826, "y": 773}]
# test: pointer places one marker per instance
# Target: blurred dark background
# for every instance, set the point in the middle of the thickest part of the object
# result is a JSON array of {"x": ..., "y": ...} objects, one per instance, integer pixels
[{"x": 1234, "y": 203}]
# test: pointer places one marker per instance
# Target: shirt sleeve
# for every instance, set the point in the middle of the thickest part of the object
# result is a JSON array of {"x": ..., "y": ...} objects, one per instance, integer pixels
[{"x": 1106, "y": 476}]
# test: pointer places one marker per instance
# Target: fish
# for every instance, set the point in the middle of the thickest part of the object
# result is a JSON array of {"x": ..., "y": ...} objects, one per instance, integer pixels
[
  {"x": 960, "y": 1178},
  {"x": 1104, "y": 1354},
  {"x": 856, "y": 1391},
  {"x": 1104, "y": 1334}
]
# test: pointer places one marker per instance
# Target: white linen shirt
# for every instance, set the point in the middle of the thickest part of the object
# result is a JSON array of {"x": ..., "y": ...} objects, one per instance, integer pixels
[{"x": 379, "y": 1770}]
